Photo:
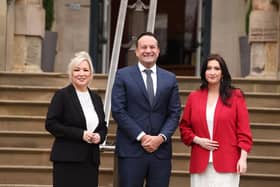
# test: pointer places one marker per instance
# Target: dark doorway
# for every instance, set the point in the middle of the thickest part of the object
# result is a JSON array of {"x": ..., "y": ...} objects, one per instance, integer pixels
[
  {"x": 176, "y": 26},
  {"x": 96, "y": 40}
]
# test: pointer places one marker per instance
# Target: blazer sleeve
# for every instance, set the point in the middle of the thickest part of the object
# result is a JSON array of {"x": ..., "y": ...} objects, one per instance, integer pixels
[
  {"x": 174, "y": 110},
  {"x": 185, "y": 126},
  {"x": 243, "y": 123},
  {"x": 55, "y": 120}
]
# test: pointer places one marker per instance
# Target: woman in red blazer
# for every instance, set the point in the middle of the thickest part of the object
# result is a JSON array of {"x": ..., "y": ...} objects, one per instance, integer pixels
[{"x": 215, "y": 123}]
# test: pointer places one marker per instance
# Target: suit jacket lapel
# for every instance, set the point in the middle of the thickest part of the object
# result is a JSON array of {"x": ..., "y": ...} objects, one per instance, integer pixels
[
  {"x": 136, "y": 74},
  {"x": 76, "y": 102},
  {"x": 160, "y": 84},
  {"x": 96, "y": 105},
  {"x": 218, "y": 110},
  {"x": 202, "y": 106}
]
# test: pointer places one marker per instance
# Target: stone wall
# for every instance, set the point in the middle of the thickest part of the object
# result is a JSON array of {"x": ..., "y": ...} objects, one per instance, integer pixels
[
  {"x": 72, "y": 24},
  {"x": 22, "y": 31},
  {"x": 228, "y": 24}
]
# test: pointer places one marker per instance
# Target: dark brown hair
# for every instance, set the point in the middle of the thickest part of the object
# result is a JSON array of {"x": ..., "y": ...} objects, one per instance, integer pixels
[
  {"x": 225, "y": 84},
  {"x": 147, "y": 34}
]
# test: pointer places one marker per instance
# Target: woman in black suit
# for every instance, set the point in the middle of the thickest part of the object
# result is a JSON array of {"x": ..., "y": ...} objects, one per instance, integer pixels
[{"x": 76, "y": 119}]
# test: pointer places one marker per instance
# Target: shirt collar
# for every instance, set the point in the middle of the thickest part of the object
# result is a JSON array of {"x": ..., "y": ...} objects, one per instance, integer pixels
[{"x": 142, "y": 68}]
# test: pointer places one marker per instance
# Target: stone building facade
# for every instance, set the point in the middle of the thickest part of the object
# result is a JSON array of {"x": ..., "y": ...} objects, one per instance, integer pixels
[{"x": 22, "y": 32}]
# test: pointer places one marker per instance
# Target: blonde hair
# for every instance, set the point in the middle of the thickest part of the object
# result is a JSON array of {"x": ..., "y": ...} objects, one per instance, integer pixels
[{"x": 79, "y": 57}]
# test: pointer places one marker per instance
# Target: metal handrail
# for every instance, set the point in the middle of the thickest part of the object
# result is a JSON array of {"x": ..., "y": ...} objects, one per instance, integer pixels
[
  {"x": 114, "y": 61},
  {"x": 152, "y": 16}
]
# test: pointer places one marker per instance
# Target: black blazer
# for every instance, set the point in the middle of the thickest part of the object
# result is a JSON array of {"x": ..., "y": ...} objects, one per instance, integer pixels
[{"x": 66, "y": 122}]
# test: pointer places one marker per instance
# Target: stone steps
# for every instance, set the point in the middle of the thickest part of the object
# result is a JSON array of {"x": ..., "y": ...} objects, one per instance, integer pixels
[
  {"x": 37, "y": 123},
  {"x": 256, "y": 164},
  {"x": 264, "y": 115},
  {"x": 37, "y": 139},
  {"x": 40, "y": 157},
  {"x": 25, "y": 139},
  {"x": 42, "y": 175},
  {"x": 25, "y": 156},
  {"x": 259, "y": 130},
  {"x": 99, "y": 80},
  {"x": 262, "y": 147},
  {"x": 22, "y": 107},
  {"x": 39, "y": 108},
  {"x": 45, "y": 79},
  {"x": 259, "y": 180},
  {"x": 22, "y": 123},
  {"x": 253, "y": 99},
  {"x": 43, "y": 93},
  {"x": 25, "y": 145},
  {"x": 29, "y": 93},
  {"x": 247, "y": 85},
  {"x": 33, "y": 175}
]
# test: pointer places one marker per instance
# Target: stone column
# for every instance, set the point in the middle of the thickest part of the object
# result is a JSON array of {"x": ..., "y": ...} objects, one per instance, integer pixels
[
  {"x": 3, "y": 23},
  {"x": 10, "y": 35},
  {"x": 264, "y": 39},
  {"x": 29, "y": 31}
]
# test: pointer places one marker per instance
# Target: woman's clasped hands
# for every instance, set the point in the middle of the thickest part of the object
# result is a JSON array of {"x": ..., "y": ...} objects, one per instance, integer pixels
[{"x": 91, "y": 137}]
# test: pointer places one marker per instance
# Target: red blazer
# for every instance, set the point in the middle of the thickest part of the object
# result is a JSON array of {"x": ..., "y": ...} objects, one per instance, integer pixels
[{"x": 231, "y": 130}]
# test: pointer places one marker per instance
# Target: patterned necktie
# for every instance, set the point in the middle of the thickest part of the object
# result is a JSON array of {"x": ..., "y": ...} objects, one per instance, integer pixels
[{"x": 150, "y": 87}]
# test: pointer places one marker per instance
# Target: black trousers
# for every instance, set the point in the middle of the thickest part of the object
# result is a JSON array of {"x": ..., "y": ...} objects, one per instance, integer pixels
[{"x": 75, "y": 174}]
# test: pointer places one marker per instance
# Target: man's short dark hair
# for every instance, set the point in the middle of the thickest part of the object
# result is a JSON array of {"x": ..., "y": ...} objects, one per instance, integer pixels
[{"x": 146, "y": 34}]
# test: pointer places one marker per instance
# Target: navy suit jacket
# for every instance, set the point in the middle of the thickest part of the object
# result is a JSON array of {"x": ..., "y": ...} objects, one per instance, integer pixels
[
  {"x": 133, "y": 113},
  {"x": 66, "y": 122}
]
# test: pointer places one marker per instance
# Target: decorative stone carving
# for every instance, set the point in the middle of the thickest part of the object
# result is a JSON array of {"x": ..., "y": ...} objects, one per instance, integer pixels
[
  {"x": 264, "y": 26},
  {"x": 264, "y": 39}
]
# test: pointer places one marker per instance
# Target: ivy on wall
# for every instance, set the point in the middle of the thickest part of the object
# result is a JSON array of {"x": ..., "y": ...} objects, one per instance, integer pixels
[
  {"x": 49, "y": 8},
  {"x": 247, "y": 19}
]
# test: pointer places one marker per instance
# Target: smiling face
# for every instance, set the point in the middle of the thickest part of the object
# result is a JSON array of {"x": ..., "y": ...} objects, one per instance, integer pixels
[
  {"x": 213, "y": 73},
  {"x": 147, "y": 50},
  {"x": 81, "y": 75}
]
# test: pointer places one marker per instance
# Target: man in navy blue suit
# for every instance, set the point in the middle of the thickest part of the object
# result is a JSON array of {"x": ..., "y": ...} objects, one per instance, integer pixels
[{"x": 146, "y": 107}]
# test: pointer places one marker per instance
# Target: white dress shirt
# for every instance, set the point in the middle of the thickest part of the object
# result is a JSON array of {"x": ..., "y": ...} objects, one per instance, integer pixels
[
  {"x": 153, "y": 75},
  {"x": 210, "y": 112},
  {"x": 88, "y": 109}
]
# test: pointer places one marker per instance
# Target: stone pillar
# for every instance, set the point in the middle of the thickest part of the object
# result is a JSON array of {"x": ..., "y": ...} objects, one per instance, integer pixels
[
  {"x": 10, "y": 35},
  {"x": 3, "y": 25},
  {"x": 264, "y": 39},
  {"x": 28, "y": 34}
]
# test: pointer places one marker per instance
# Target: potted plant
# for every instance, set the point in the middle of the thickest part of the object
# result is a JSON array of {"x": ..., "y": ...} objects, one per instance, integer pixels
[
  {"x": 50, "y": 39},
  {"x": 244, "y": 46}
]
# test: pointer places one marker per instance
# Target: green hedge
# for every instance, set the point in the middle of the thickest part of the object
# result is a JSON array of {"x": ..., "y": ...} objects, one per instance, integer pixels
[{"x": 49, "y": 8}]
